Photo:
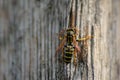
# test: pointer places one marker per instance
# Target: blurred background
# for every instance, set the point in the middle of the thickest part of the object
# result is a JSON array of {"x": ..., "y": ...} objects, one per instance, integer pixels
[{"x": 28, "y": 38}]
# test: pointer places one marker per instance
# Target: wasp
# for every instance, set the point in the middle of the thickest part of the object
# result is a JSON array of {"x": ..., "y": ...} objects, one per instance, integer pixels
[{"x": 69, "y": 45}]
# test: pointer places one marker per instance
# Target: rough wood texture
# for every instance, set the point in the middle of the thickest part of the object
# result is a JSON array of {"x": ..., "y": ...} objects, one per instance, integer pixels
[{"x": 28, "y": 38}]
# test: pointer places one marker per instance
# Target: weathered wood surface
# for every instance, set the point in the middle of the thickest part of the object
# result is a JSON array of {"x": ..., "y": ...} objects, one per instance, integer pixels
[{"x": 28, "y": 38}]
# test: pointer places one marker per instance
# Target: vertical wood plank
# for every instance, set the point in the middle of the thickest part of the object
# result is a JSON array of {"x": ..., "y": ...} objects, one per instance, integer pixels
[{"x": 28, "y": 39}]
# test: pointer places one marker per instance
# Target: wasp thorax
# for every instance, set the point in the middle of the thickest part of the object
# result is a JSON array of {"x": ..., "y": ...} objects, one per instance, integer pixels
[
  {"x": 70, "y": 32},
  {"x": 70, "y": 35}
]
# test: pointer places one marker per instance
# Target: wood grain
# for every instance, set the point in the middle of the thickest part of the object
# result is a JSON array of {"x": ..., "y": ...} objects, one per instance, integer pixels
[{"x": 28, "y": 38}]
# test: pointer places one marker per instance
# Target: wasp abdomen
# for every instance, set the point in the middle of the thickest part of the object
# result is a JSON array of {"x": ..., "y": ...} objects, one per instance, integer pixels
[{"x": 68, "y": 52}]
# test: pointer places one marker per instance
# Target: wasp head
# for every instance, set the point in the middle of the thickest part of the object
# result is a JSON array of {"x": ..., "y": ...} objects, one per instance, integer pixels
[{"x": 70, "y": 32}]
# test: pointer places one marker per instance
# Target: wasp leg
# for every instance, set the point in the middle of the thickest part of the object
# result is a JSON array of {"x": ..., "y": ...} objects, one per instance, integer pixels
[
  {"x": 61, "y": 34},
  {"x": 60, "y": 37},
  {"x": 85, "y": 38}
]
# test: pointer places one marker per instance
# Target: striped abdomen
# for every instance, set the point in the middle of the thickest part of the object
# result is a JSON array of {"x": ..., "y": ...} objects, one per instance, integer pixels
[{"x": 68, "y": 52}]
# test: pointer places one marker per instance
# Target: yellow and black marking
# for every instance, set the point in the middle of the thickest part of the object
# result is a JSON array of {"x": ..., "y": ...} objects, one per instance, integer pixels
[
  {"x": 67, "y": 53},
  {"x": 70, "y": 35},
  {"x": 69, "y": 45}
]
